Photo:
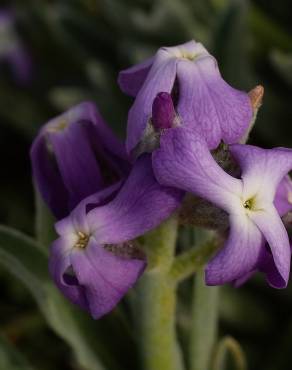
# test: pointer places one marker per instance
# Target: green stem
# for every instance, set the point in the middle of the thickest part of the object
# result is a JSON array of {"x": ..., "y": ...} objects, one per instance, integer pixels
[
  {"x": 187, "y": 263},
  {"x": 204, "y": 325},
  {"x": 156, "y": 302},
  {"x": 229, "y": 344}
]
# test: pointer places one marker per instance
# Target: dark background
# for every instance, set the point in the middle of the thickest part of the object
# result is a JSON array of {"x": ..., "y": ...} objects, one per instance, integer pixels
[{"x": 77, "y": 48}]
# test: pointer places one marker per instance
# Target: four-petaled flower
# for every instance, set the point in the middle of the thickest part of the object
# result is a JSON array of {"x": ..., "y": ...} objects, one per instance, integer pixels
[
  {"x": 94, "y": 262},
  {"x": 203, "y": 100},
  {"x": 184, "y": 162}
]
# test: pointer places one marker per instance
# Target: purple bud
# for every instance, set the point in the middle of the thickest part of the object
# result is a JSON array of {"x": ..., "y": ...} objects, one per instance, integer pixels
[
  {"x": 163, "y": 112},
  {"x": 74, "y": 156}
]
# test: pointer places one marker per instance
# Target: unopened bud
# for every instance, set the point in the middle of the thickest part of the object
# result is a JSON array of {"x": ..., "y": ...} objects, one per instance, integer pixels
[{"x": 163, "y": 112}]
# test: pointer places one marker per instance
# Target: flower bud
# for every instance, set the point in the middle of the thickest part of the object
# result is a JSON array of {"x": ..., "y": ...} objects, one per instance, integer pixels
[{"x": 163, "y": 112}]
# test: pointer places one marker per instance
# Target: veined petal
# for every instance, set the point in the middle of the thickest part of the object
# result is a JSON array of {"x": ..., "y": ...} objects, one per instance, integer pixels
[
  {"x": 77, "y": 220},
  {"x": 104, "y": 277},
  {"x": 74, "y": 155},
  {"x": 131, "y": 79},
  {"x": 208, "y": 104},
  {"x": 273, "y": 230},
  {"x": 50, "y": 184},
  {"x": 283, "y": 197},
  {"x": 160, "y": 78},
  {"x": 262, "y": 169},
  {"x": 141, "y": 204},
  {"x": 184, "y": 161},
  {"x": 59, "y": 266},
  {"x": 268, "y": 267},
  {"x": 240, "y": 254}
]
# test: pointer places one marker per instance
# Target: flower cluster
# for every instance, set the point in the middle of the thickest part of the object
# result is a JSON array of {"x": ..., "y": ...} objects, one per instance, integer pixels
[{"x": 105, "y": 194}]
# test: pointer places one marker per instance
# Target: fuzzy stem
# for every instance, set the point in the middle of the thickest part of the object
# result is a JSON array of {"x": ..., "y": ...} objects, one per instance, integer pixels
[
  {"x": 204, "y": 325},
  {"x": 156, "y": 302},
  {"x": 191, "y": 260},
  {"x": 229, "y": 344}
]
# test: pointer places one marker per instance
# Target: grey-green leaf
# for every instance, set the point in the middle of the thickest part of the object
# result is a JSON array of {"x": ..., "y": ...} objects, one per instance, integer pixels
[{"x": 28, "y": 261}]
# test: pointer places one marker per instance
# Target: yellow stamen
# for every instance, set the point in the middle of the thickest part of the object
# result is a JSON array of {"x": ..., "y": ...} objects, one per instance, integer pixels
[{"x": 82, "y": 241}]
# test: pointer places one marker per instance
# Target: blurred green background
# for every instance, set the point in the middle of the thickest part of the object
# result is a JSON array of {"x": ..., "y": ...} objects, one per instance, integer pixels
[{"x": 77, "y": 48}]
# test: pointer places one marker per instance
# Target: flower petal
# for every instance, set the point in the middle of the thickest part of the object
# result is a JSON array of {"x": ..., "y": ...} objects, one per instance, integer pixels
[
  {"x": 267, "y": 266},
  {"x": 283, "y": 197},
  {"x": 273, "y": 230},
  {"x": 209, "y": 104},
  {"x": 239, "y": 255},
  {"x": 160, "y": 78},
  {"x": 131, "y": 79},
  {"x": 262, "y": 169},
  {"x": 141, "y": 205},
  {"x": 184, "y": 161},
  {"x": 59, "y": 265},
  {"x": 77, "y": 220},
  {"x": 104, "y": 277},
  {"x": 74, "y": 156},
  {"x": 49, "y": 182}
]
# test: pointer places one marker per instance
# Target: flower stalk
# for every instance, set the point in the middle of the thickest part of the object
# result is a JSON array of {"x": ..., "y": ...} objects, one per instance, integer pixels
[
  {"x": 156, "y": 302},
  {"x": 204, "y": 324}
]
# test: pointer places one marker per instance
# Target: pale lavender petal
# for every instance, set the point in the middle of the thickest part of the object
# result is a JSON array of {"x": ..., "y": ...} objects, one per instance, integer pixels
[
  {"x": 283, "y": 197},
  {"x": 268, "y": 267},
  {"x": 131, "y": 79},
  {"x": 184, "y": 161},
  {"x": 104, "y": 277},
  {"x": 273, "y": 230},
  {"x": 77, "y": 220},
  {"x": 240, "y": 254},
  {"x": 262, "y": 169},
  {"x": 160, "y": 78},
  {"x": 60, "y": 270},
  {"x": 141, "y": 205},
  {"x": 208, "y": 104}
]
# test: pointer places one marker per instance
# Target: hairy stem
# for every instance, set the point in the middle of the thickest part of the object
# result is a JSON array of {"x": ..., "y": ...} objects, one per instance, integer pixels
[
  {"x": 187, "y": 263},
  {"x": 156, "y": 302},
  {"x": 229, "y": 344}
]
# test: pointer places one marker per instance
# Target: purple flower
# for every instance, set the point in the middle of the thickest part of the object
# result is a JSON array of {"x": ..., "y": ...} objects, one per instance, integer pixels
[
  {"x": 12, "y": 52},
  {"x": 283, "y": 204},
  {"x": 94, "y": 263},
  {"x": 76, "y": 155},
  {"x": 283, "y": 197},
  {"x": 202, "y": 99},
  {"x": 184, "y": 162}
]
